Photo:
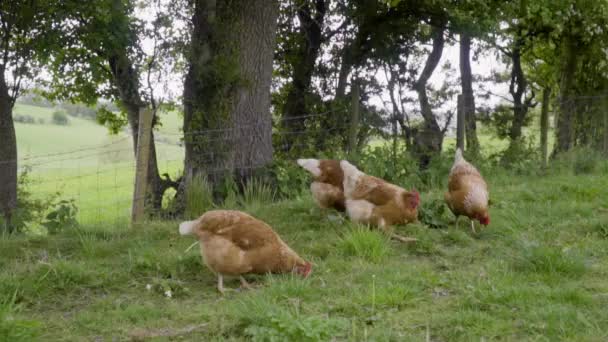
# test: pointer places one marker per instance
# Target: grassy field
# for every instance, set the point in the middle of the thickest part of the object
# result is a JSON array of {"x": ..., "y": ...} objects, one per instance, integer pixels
[
  {"x": 84, "y": 162},
  {"x": 538, "y": 272}
]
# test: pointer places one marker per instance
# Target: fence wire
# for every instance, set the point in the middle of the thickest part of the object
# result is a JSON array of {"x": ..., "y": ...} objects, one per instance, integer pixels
[{"x": 100, "y": 179}]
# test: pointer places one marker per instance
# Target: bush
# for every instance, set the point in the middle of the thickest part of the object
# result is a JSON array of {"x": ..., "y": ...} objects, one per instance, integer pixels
[
  {"x": 26, "y": 119},
  {"x": 579, "y": 160},
  {"x": 62, "y": 216},
  {"x": 60, "y": 118}
]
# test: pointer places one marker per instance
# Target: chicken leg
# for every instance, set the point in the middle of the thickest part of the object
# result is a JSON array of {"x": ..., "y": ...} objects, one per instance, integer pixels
[
  {"x": 473, "y": 227},
  {"x": 220, "y": 283},
  {"x": 245, "y": 284}
]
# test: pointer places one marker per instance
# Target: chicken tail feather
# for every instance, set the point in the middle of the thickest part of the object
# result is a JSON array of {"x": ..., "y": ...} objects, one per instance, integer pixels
[{"x": 311, "y": 165}]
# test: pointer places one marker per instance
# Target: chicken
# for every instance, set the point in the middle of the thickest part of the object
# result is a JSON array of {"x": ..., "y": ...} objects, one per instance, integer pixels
[
  {"x": 234, "y": 243},
  {"x": 327, "y": 187},
  {"x": 371, "y": 200},
  {"x": 467, "y": 192}
]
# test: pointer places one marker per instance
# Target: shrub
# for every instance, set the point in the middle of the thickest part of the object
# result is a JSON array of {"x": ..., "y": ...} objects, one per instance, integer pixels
[
  {"x": 60, "y": 118},
  {"x": 63, "y": 215},
  {"x": 291, "y": 179},
  {"x": 434, "y": 214},
  {"x": 26, "y": 119},
  {"x": 29, "y": 208},
  {"x": 579, "y": 160}
]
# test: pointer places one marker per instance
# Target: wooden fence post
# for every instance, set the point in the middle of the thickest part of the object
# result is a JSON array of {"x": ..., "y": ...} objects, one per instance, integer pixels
[
  {"x": 544, "y": 126},
  {"x": 144, "y": 135},
  {"x": 460, "y": 113},
  {"x": 354, "y": 124}
]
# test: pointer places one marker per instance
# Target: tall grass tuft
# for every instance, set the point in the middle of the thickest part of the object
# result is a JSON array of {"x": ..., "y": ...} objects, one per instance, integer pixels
[
  {"x": 257, "y": 192},
  {"x": 199, "y": 197},
  {"x": 370, "y": 245},
  {"x": 11, "y": 327}
]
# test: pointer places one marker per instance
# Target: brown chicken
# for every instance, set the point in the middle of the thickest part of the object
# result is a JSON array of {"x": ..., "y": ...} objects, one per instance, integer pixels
[
  {"x": 371, "y": 200},
  {"x": 327, "y": 187},
  {"x": 234, "y": 243},
  {"x": 467, "y": 192}
]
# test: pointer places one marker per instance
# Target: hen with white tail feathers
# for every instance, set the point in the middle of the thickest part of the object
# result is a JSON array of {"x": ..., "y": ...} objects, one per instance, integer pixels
[
  {"x": 467, "y": 193},
  {"x": 327, "y": 187},
  {"x": 371, "y": 200}
]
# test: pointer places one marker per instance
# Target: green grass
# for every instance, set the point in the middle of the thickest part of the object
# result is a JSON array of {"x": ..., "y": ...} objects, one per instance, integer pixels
[
  {"x": 84, "y": 162},
  {"x": 538, "y": 272}
]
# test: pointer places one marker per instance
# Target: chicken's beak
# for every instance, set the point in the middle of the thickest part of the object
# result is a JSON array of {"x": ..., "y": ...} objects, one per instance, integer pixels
[{"x": 186, "y": 227}]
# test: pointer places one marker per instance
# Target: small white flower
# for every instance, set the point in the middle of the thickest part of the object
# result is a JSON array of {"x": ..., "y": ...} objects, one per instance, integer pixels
[
  {"x": 168, "y": 293},
  {"x": 148, "y": 287}
]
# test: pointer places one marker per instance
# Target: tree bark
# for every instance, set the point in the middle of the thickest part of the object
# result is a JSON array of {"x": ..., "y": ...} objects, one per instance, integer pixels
[
  {"x": 565, "y": 121},
  {"x": 8, "y": 156},
  {"x": 544, "y": 126},
  {"x": 306, "y": 56},
  {"x": 429, "y": 140},
  {"x": 517, "y": 89},
  {"x": 227, "y": 121},
  {"x": 466, "y": 82},
  {"x": 126, "y": 80},
  {"x": 257, "y": 40}
]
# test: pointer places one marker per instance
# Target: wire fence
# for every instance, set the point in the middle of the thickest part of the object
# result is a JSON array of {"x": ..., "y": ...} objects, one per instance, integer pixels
[{"x": 100, "y": 179}]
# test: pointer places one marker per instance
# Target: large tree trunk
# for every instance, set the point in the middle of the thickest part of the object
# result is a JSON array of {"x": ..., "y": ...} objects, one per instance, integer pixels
[
  {"x": 429, "y": 140},
  {"x": 466, "y": 82},
  {"x": 565, "y": 121},
  {"x": 295, "y": 110},
  {"x": 257, "y": 20},
  {"x": 227, "y": 121},
  {"x": 8, "y": 156}
]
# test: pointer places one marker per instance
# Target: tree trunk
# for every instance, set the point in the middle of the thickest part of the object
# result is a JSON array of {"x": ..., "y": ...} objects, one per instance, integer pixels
[
  {"x": 460, "y": 123},
  {"x": 517, "y": 89},
  {"x": 428, "y": 141},
  {"x": 544, "y": 126},
  {"x": 227, "y": 121},
  {"x": 8, "y": 157},
  {"x": 565, "y": 122},
  {"x": 257, "y": 39},
  {"x": 295, "y": 110},
  {"x": 466, "y": 82},
  {"x": 126, "y": 80}
]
